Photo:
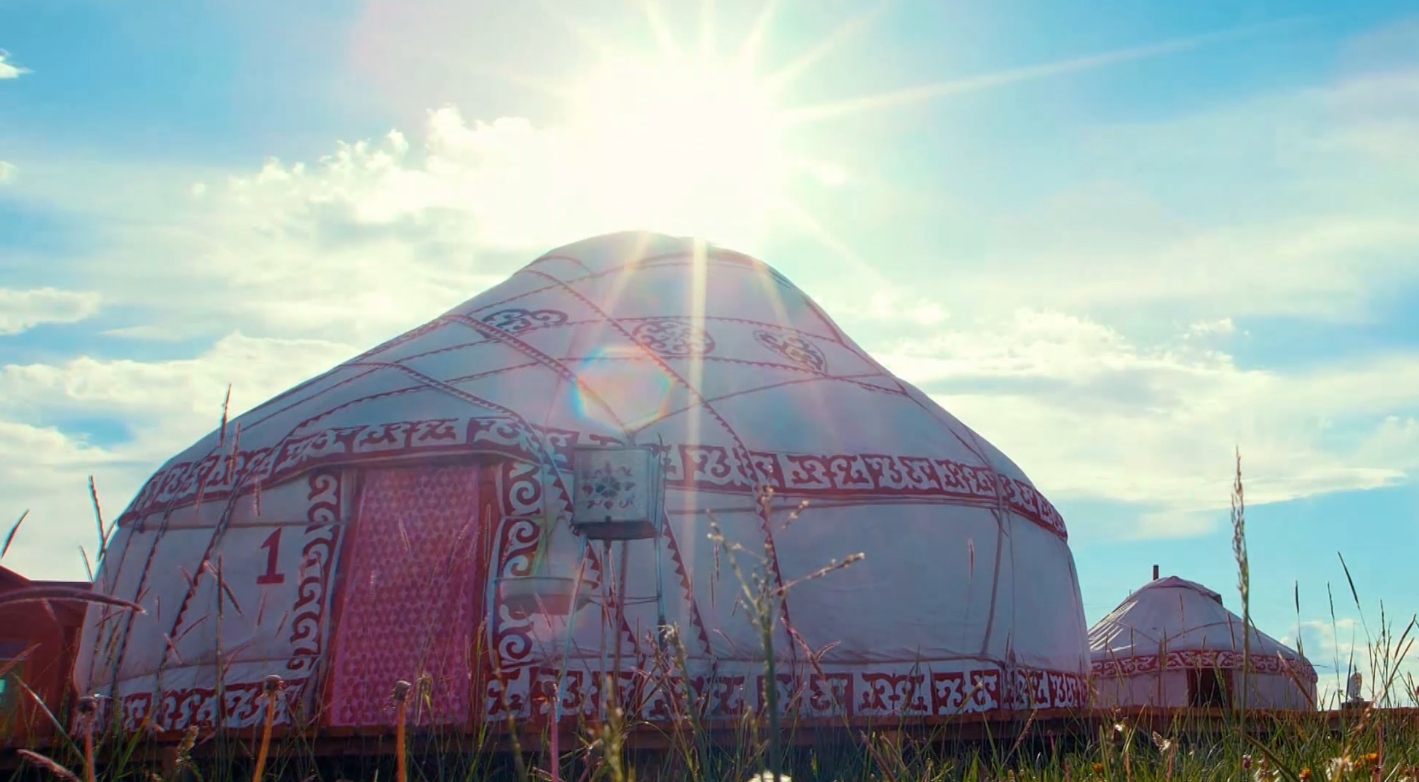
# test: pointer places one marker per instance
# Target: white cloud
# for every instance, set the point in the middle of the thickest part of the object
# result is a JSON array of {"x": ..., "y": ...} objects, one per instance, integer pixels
[
  {"x": 1299, "y": 204},
  {"x": 372, "y": 239},
  {"x": 1165, "y": 525},
  {"x": 7, "y": 171},
  {"x": 1204, "y": 329},
  {"x": 886, "y": 304},
  {"x": 164, "y": 405},
  {"x": 1332, "y": 260},
  {"x": 9, "y": 70},
  {"x": 1089, "y": 413},
  {"x": 1295, "y": 204},
  {"x": 150, "y": 333},
  {"x": 45, "y": 472},
  {"x": 22, "y": 310},
  {"x": 179, "y": 393}
]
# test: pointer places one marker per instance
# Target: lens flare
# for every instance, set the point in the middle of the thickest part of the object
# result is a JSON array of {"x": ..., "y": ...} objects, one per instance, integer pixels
[{"x": 635, "y": 387}]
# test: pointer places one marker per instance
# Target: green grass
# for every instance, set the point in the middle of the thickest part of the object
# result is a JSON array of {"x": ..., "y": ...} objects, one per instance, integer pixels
[{"x": 1374, "y": 745}]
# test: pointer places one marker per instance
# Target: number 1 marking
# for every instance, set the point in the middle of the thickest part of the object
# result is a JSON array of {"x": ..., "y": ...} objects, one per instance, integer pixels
[{"x": 272, "y": 544}]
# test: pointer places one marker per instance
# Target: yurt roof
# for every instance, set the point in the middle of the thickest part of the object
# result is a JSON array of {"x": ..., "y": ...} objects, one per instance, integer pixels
[
  {"x": 618, "y": 338},
  {"x": 1175, "y": 616}
]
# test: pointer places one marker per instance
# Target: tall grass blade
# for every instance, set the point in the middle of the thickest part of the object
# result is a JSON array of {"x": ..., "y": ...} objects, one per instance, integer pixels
[
  {"x": 1273, "y": 757},
  {"x": 10, "y": 536},
  {"x": 226, "y": 409},
  {"x": 98, "y": 519},
  {"x": 33, "y": 594},
  {"x": 1354, "y": 593},
  {"x": 1239, "y": 551}
]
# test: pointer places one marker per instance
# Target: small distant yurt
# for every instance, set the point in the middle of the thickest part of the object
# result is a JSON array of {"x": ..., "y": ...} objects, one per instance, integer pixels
[
  {"x": 1173, "y": 644},
  {"x": 513, "y": 503}
]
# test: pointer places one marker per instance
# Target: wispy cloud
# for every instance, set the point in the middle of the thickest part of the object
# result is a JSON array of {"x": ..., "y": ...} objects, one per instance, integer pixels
[
  {"x": 368, "y": 241},
  {"x": 1090, "y": 413},
  {"x": 48, "y": 414},
  {"x": 9, "y": 70},
  {"x": 1316, "y": 181},
  {"x": 21, "y": 310},
  {"x": 1296, "y": 203},
  {"x": 376, "y": 237},
  {"x": 1030, "y": 73}
]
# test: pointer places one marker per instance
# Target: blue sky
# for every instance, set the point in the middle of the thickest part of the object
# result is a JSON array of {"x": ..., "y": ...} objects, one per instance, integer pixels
[{"x": 1117, "y": 268}]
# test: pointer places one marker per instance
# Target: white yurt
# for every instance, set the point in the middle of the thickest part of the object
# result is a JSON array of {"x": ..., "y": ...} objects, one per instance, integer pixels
[
  {"x": 512, "y": 499},
  {"x": 1173, "y": 644}
]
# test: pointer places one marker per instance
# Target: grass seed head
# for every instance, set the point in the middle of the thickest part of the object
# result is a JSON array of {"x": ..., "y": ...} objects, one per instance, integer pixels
[{"x": 48, "y": 764}]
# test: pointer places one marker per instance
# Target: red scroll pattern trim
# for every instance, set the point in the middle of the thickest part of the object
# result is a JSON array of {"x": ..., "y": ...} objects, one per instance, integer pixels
[
  {"x": 522, "y": 496},
  {"x": 317, "y": 563},
  {"x": 1186, "y": 659},
  {"x": 242, "y": 706},
  {"x": 709, "y": 467},
  {"x": 866, "y": 692},
  {"x": 697, "y": 467},
  {"x": 517, "y": 541}
]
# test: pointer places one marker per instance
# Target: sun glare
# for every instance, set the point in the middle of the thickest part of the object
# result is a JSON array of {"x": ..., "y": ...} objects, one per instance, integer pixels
[{"x": 684, "y": 143}]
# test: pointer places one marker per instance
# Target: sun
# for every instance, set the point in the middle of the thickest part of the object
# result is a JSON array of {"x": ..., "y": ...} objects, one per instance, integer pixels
[
  {"x": 686, "y": 138},
  {"x": 688, "y": 143},
  {"x": 691, "y": 142}
]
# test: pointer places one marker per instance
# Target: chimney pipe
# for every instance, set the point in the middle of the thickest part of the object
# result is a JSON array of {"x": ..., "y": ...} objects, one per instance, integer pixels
[{"x": 1155, "y": 572}]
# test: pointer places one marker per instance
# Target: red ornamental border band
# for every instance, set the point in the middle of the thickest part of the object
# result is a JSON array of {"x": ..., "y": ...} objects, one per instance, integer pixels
[{"x": 519, "y": 686}]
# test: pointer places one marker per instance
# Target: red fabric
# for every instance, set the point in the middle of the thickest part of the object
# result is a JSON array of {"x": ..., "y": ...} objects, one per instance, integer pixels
[
  {"x": 50, "y": 634},
  {"x": 413, "y": 596}
]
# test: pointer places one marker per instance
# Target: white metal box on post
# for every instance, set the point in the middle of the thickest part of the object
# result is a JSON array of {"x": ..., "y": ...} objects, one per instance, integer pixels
[{"x": 619, "y": 491}]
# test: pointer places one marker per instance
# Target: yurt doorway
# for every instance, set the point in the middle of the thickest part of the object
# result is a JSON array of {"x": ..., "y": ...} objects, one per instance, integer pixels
[
  {"x": 412, "y": 594},
  {"x": 1209, "y": 688}
]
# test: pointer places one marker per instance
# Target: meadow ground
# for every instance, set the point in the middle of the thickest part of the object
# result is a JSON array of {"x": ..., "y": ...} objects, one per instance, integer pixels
[{"x": 1368, "y": 745}]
